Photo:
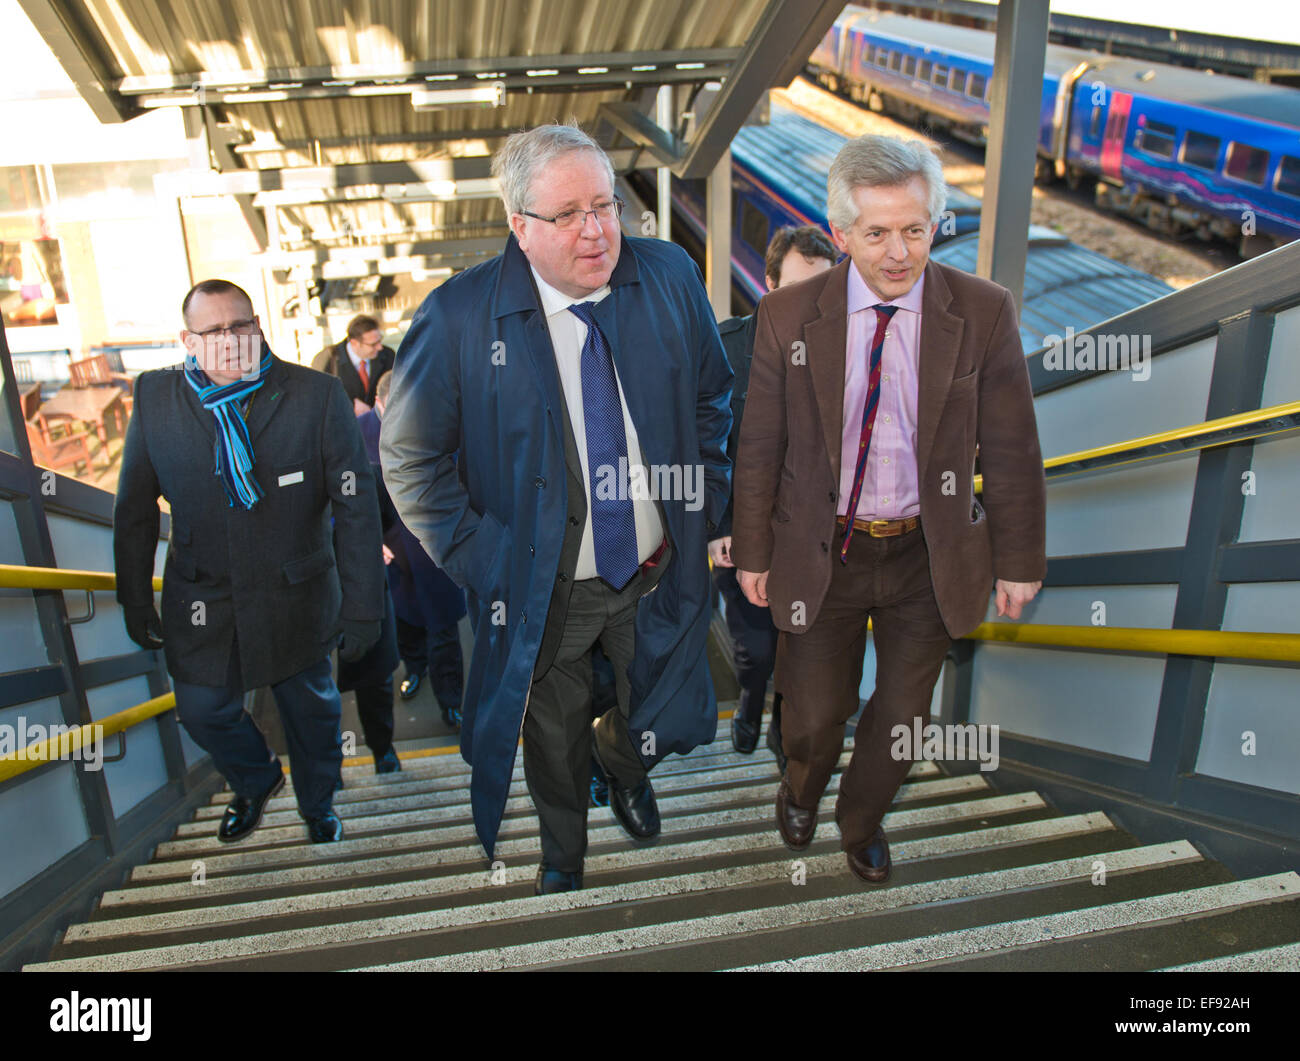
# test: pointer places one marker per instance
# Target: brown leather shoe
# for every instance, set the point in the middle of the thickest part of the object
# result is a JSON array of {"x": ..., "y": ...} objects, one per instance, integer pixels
[
  {"x": 796, "y": 825},
  {"x": 871, "y": 863}
]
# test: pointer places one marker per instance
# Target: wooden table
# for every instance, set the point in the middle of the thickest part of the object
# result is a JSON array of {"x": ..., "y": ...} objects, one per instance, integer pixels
[{"x": 93, "y": 405}]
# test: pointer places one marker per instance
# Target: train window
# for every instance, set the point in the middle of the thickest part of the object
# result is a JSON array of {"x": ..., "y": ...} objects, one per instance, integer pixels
[
  {"x": 1246, "y": 163},
  {"x": 1200, "y": 150},
  {"x": 909, "y": 66},
  {"x": 978, "y": 82},
  {"x": 753, "y": 226},
  {"x": 1094, "y": 127},
  {"x": 1288, "y": 176},
  {"x": 940, "y": 75},
  {"x": 927, "y": 68},
  {"x": 882, "y": 56},
  {"x": 957, "y": 80},
  {"x": 895, "y": 60},
  {"x": 1157, "y": 138}
]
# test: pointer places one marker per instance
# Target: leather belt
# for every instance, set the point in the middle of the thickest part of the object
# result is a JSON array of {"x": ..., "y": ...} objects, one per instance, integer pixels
[{"x": 881, "y": 528}]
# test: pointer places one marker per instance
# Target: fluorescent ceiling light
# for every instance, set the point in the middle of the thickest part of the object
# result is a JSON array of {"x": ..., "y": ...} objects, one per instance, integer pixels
[{"x": 491, "y": 95}]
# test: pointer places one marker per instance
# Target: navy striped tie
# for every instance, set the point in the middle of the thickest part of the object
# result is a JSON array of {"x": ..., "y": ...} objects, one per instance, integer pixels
[{"x": 613, "y": 528}]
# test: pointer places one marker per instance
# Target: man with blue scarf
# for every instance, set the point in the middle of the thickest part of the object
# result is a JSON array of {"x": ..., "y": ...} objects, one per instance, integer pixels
[{"x": 254, "y": 455}]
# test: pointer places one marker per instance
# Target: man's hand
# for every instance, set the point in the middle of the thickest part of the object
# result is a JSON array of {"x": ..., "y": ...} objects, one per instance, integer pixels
[
  {"x": 1012, "y": 596},
  {"x": 754, "y": 587},
  {"x": 143, "y": 625},
  {"x": 387, "y": 554},
  {"x": 720, "y": 551},
  {"x": 358, "y": 639},
  {"x": 359, "y": 407}
]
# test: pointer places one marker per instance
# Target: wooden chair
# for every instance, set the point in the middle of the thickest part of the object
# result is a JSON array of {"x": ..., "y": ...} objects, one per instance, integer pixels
[
  {"x": 96, "y": 372},
  {"x": 61, "y": 452},
  {"x": 30, "y": 395}
]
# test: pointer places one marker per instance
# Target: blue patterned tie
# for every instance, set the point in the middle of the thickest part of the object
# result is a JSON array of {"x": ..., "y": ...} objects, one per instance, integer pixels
[{"x": 612, "y": 527}]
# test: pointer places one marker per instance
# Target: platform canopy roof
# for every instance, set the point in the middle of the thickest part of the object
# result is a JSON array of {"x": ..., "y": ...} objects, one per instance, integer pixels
[{"x": 338, "y": 122}]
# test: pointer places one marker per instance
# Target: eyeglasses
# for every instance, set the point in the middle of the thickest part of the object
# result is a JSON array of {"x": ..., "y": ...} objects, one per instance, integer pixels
[
  {"x": 238, "y": 328},
  {"x": 571, "y": 219}
]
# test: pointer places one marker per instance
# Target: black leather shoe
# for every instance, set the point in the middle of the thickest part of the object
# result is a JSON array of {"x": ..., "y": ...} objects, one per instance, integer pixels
[
  {"x": 550, "y": 881},
  {"x": 634, "y": 808},
  {"x": 388, "y": 763},
  {"x": 744, "y": 734},
  {"x": 871, "y": 863},
  {"x": 451, "y": 718},
  {"x": 244, "y": 815},
  {"x": 774, "y": 743},
  {"x": 327, "y": 829},
  {"x": 795, "y": 824},
  {"x": 410, "y": 686}
]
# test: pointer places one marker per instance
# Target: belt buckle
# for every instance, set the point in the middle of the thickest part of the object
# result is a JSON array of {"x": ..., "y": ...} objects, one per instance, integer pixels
[{"x": 879, "y": 527}]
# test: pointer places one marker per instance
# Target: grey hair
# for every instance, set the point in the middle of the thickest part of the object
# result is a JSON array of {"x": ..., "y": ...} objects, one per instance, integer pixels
[
  {"x": 881, "y": 161},
  {"x": 526, "y": 154}
]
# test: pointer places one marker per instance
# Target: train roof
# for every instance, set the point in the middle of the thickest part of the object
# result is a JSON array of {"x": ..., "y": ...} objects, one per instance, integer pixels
[
  {"x": 1200, "y": 88},
  {"x": 793, "y": 156},
  {"x": 1065, "y": 285},
  {"x": 977, "y": 44}
]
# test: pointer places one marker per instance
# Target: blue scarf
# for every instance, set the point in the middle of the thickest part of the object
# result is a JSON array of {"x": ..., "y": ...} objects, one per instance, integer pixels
[{"x": 234, "y": 449}]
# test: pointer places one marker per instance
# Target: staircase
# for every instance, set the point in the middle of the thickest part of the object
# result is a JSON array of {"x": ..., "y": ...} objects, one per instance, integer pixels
[{"x": 981, "y": 880}]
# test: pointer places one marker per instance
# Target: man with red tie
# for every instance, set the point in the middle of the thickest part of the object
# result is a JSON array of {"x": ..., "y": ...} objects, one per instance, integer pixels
[
  {"x": 872, "y": 388},
  {"x": 358, "y": 361}
]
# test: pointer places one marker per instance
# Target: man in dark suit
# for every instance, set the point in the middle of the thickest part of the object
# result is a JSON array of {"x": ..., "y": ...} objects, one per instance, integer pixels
[
  {"x": 254, "y": 456},
  {"x": 529, "y": 395},
  {"x": 428, "y": 605},
  {"x": 793, "y": 254},
  {"x": 872, "y": 387},
  {"x": 359, "y": 360}
]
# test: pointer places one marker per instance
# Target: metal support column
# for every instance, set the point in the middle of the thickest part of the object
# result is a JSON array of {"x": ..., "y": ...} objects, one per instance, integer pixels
[
  {"x": 1013, "y": 138},
  {"x": 717, "y": 253},
  {"x": 664, "y": 208}
]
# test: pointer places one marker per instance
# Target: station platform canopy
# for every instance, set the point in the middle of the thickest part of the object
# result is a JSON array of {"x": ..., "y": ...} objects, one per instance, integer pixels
[{"x": 336, "y": 123}]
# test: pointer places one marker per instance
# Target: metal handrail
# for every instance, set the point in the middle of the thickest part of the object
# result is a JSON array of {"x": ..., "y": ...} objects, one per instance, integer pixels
[
  {"x": 19, "y": 576},
  {"x": 1219, "y": 432},
  {"x": 1219, "y": 644},
  {"x": 53, "y": 749}
]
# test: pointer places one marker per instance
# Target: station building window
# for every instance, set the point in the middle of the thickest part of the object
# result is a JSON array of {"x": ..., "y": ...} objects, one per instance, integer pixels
[{"x": 1247, "y": 164}]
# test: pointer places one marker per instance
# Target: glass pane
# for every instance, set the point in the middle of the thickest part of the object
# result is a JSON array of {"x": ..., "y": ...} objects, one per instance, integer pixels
[
  {"x": 957, "y": 80},
  {"x": 1158, "y": 139},
  {"x": 909, "y": 65},
  {"x": 753, "y": 226},
  {"x": 1288, "y": 176},
  {"x": 927, "y": 68},
  {"x": 1246, "y": 163},
  {"x": 1200, "y": 150},
  {"x": 977, "y": 85},
  {"x": 940, "y": 75}
]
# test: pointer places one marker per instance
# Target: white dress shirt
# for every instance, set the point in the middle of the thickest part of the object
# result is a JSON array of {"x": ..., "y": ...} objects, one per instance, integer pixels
[{"x": 568, "y": 333}]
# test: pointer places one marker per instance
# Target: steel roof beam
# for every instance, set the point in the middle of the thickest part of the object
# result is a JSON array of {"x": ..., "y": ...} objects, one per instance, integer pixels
[
  {"x": 642, "y": 130},
  {"x": 409, "y": 72},
  {"x": 73, "y": 46},
  {"x": 767, "y": 54}
]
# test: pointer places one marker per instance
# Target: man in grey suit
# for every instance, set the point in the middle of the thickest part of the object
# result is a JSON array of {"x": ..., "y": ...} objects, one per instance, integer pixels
[{"x": 254, "y": 456}]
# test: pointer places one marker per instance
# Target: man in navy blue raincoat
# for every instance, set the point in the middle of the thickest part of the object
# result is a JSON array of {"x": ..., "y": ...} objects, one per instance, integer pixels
[{"x": 581, "y": 385}]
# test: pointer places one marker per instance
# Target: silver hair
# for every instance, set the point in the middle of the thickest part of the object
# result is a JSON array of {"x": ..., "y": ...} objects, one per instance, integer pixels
[
  {"x": 526, "y": 154},
  {"x": 881, "y": 161}
]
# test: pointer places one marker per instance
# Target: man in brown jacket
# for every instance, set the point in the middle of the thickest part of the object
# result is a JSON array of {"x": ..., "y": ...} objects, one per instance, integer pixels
[{"x": 872, "y": 388}]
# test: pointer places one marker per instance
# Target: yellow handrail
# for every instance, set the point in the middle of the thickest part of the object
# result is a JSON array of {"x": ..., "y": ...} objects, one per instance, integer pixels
[
  {"x": 1221, "y": 644},
  {"x": 18, "y": 576},
  {"x": 42, "y": 752},
  {"x": 1178, "y": 434}
]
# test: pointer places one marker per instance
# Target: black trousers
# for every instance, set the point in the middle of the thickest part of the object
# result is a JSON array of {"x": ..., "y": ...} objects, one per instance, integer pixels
[
  {"x": 438, "y": 654},
  {"x": 558, "y": 729},
  {"x": 753, "y": 647}
]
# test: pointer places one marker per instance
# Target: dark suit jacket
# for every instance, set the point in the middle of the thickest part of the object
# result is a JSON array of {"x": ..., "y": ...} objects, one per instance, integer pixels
[
  {"x": 278, "y": 576},
  {"x": 738, "y": 341},
  {"x": 974, "y": 392},
  {"x": 336, "y": 362}
]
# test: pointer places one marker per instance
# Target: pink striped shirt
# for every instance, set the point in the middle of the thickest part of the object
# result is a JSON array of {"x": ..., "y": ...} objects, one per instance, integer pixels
[{"x": 889, "y": 484}]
